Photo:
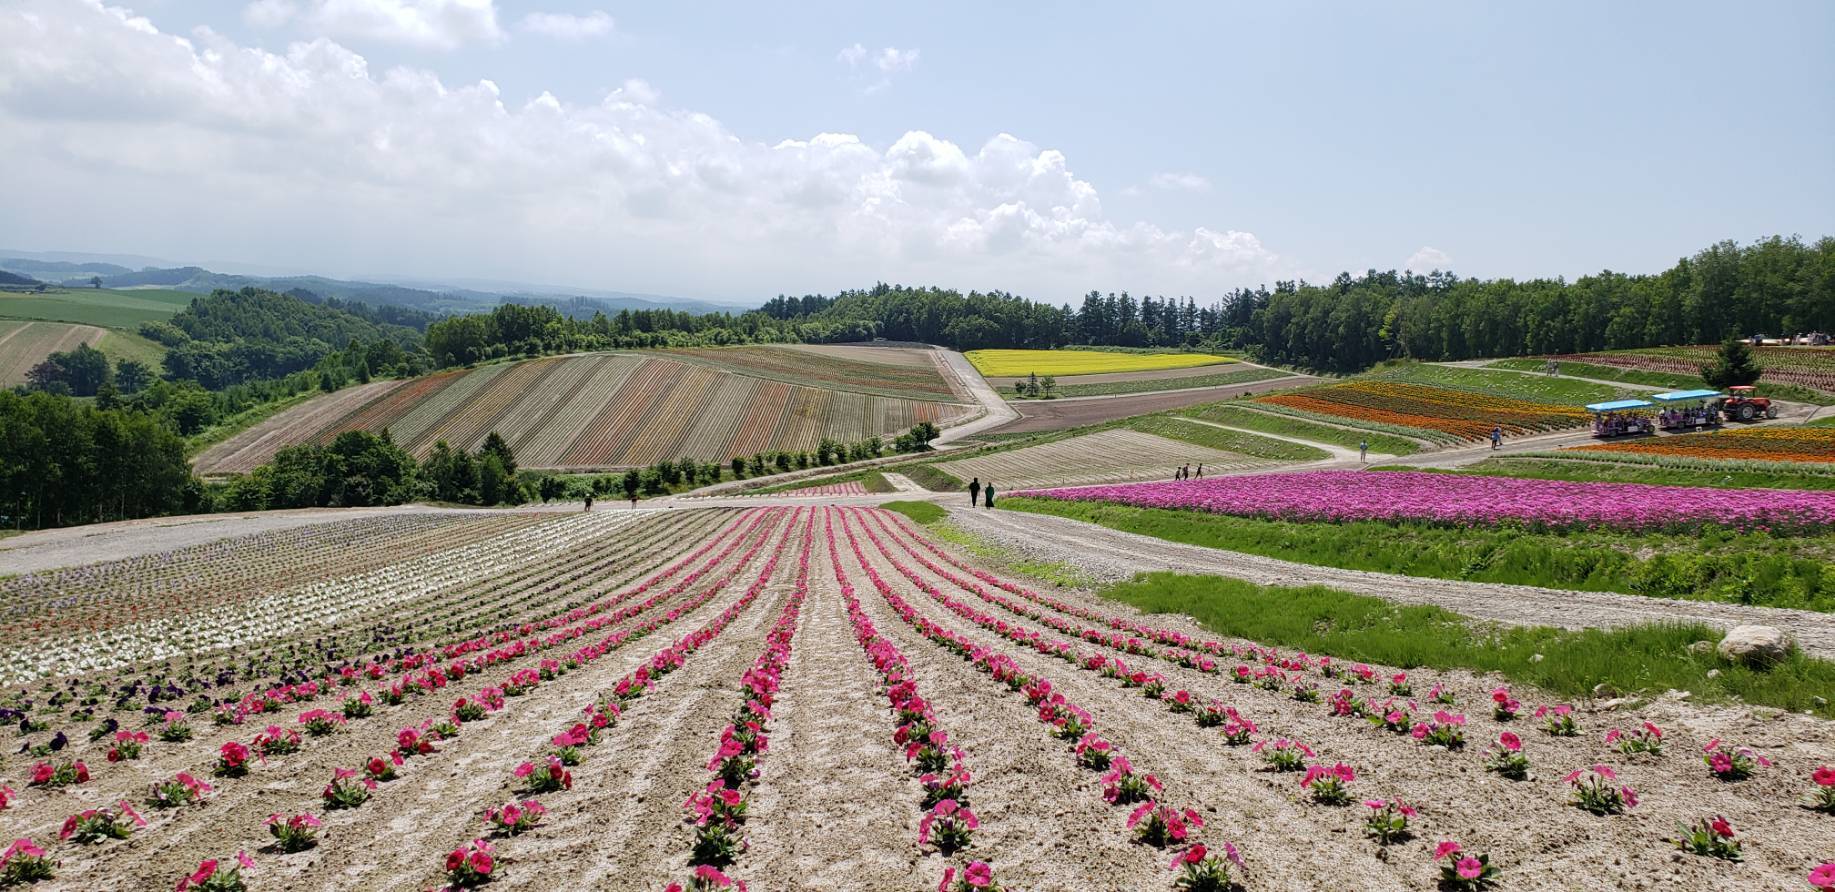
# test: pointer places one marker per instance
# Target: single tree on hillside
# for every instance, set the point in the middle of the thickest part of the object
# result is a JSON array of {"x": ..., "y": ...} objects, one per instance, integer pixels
[{"x": 1733, "y": 365}]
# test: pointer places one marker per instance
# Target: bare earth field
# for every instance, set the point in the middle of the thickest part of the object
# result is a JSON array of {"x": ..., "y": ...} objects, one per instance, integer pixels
[
  {"x": 1057, "y": 415},
  {"x": 670, "y": 622}
]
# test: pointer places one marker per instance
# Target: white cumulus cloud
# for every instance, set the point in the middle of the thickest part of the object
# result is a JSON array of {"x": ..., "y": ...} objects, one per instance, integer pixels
[
  {"x": 118, "y": 133},
  {"x": 566, "y": 26},
  {"x": 891, "y": 59},
  {"x": 1180, "y": 182},
  {"x": 424, "y": 24},
  {"x": 1428, "y": 259}
]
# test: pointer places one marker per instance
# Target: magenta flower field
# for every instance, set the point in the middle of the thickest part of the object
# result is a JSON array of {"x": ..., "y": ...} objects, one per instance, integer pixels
[{"x": 1337, "y": 496}]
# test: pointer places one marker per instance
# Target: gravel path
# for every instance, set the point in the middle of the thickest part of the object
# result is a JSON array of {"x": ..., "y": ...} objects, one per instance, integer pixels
[
  {"x": 901, "y": 483},
  {"x": 1114, "y": 555}
]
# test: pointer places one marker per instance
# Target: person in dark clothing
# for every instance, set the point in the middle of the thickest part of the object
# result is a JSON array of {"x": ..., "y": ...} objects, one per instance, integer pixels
[
  {"x": 589, "y": 502},
  {"x": 989, "y": 496},
  {"x": 974, "y": 492},
  {"x": 1200, "y": 470}
]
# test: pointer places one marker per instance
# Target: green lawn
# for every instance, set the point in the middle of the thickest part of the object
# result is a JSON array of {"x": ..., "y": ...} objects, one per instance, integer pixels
[
  {"x": 1534, "y": 388},
  {"x": 1650, "y": 469},
  {"x": 1661, "y": 379},
  {"x": 1717, "y": 565},
  {"x": 1226, "y": 440},
  {"x": 118, "y": 345},
  {"x": 1236, "y": 416},
  {"x": 1647, "y": 659},
  {"x": 109, "y": 308}
]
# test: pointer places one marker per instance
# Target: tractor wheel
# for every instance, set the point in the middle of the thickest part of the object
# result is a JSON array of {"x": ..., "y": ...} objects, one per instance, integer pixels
[
  {"x": 1771, "y": 411},
  {"x": 1747, "y": 412}
]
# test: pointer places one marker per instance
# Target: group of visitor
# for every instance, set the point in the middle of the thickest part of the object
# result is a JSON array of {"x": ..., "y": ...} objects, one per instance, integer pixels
[
  {"x": 1184, "y": 472},
  {"x": 975, "y": 492}
]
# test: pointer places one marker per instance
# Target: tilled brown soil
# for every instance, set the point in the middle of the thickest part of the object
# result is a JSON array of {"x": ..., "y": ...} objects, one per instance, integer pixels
[{"x": 835, "y": 804}]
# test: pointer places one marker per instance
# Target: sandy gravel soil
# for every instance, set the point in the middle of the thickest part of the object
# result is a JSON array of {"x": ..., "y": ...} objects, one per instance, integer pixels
[
  {"x": 1114, "y": 555},
  {"x": 835, "y": 806}
]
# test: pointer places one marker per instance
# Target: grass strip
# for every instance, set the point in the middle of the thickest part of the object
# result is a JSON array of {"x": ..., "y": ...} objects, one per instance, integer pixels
[
  {"x": 1224, "y": 413},
  {"x": 1150, "y": 385},
  {"x": 1647, "y": 659},
  {"x": 1227, "y": 440},
  {"x": 922, "y": 512},
  {"x": 1714, "y": 565}
]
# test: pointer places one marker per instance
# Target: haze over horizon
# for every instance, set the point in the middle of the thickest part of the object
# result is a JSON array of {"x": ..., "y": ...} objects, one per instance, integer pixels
[{"x": 1161, "y": 148}]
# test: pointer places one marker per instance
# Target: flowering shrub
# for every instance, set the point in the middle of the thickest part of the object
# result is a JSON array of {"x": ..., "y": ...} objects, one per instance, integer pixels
[
  {"x": 1393, "y": 716},
  {"x": 512, "y": 818},
  {"x": 177, "y": 729},
  {"x": 718, "y": 803},
  {"x": 1558, "y": 720},
  {"x": 470, "y": 865},
  {"x": 319, "y": 722},
  {"x": 467, "y": 710},
  {"x": 1732, "y": 764},
  {"x": 1823, "y": 877},
  {"x": 181, "y": 790},
  {"x": 277, "y": 741},
  {"x": 295, "y": 833},
  {"x": 1507, "y": 757},
  {"x": 706, "y": 878},
  {"x": 1462, "y": 871},
  {"x": 547, "y": 777},
  {"x": 1328, "y": 785},
  {"x": 1093, "y": 752},
  {"x": 1822, "y": 799},
  {"x": 6, "y": 796},
  {"x": 1212, "y": 714},
  {"x": 1441, "y": 694},
  {"x": 24, "y": 862},
  {"x": 1399, "y": 686},
  {"x": 1710, "y": 837},
  {"x": 1648, "y": 739},
  {"x": 360, "y": 706},
  {"x": 97, "y": 824},
  {"x": 1504, "y": 707},
  {"x": 1122, "y": 786},
  {"x": 1284, "y": 754},
  {"x": 414, "y": 742},
  {"x": 976, "y": 876},
  {"x": 1181, "y": 701},
  {"x": 348, "y": 789},
  {"x": 1201, "y": 871},
  {"x": 1238, "y": 731},
  {"x": 127, "y": 746},
  {"x": 381, "y": 769},
  {"x": 1347, "y": 704},
  {"x": 1388, "y": 820},
  {"x": 1446, "y": 730},
  {"x": 1596, "y": 790},
  {"x": 62, "y": 774},
  {"x": 1163, "y": 825},
  {"x": 948, "y": 825},
  {"x": 232, "y": 760},
  {"x": 212, "y": 877}
]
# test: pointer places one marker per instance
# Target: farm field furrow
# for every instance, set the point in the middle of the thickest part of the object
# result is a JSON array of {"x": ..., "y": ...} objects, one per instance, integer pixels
[
  {"x": 429, "y": 422},
  {"x": 567, "y": 420},
  {"x": 1109, "y": 456},
  {"x": 1811, "y": 367},
  {"x": 623, "y": 413},
  {"x": 251, "y": 448},
  {"x": 376, "y": 416},
  {"x": 26, "y": 344},
  {"x": 840, "y": 674},
  {"x": 1788, "y": 444},
  {"x": 1466, "y": 415},
  {"x": 526, "y": 415},
  {"x": 861, "y": 369}
]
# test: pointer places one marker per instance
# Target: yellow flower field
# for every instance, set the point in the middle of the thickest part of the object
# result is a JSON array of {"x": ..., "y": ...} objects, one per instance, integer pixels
[{"x": 1019, "y": 363}]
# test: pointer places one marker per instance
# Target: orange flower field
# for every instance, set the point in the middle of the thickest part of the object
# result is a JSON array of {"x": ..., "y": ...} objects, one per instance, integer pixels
[
  {"x": 1457, "y": 412},
  {"x": 1765, "y": 444}
]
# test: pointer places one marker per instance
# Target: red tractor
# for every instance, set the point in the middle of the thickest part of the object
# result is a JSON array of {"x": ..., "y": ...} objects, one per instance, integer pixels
[{"x": 1744, "y": 405}]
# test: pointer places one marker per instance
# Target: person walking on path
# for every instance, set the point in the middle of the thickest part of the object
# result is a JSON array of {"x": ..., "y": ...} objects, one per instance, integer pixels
[
  {"x": 1363, "y": 451},
  {"x": 1497, "y": 436},
  {"x": 589, "y": 502},
  {"x": 1201, "y": 470},
  {"x": 974, "y": 492},
  {"x": 989, "y": 495}
]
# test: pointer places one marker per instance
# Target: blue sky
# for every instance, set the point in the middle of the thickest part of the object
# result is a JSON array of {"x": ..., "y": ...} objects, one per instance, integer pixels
[{"x": 1155, "y": 147}]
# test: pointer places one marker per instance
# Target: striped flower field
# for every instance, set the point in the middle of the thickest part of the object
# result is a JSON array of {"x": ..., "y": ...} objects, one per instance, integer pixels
[
  {"x": 1803, "y": 444},
  {"x": 1441, "y": 499},
  {"x": 1460, "y": 413},
  {"x": 592, "y": 411}
]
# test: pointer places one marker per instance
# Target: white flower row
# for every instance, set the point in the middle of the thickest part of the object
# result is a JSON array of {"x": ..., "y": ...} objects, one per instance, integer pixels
[{"x": 315, "y": 604}]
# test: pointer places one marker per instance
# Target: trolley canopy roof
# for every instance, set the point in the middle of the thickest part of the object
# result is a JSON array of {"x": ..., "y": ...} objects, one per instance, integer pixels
[
  {"x": 1620, "y": 405},
  {"x": 1682, "y": 396}
]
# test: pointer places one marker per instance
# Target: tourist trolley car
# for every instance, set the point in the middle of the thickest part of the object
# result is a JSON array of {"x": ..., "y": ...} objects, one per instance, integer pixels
[
  {"x": 1687, "y": 410},
  {"x": 1622, "y": 418}
]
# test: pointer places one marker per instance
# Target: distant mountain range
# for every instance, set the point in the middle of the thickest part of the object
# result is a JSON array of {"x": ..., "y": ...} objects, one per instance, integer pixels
[{"x": 430, "y": 295}]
